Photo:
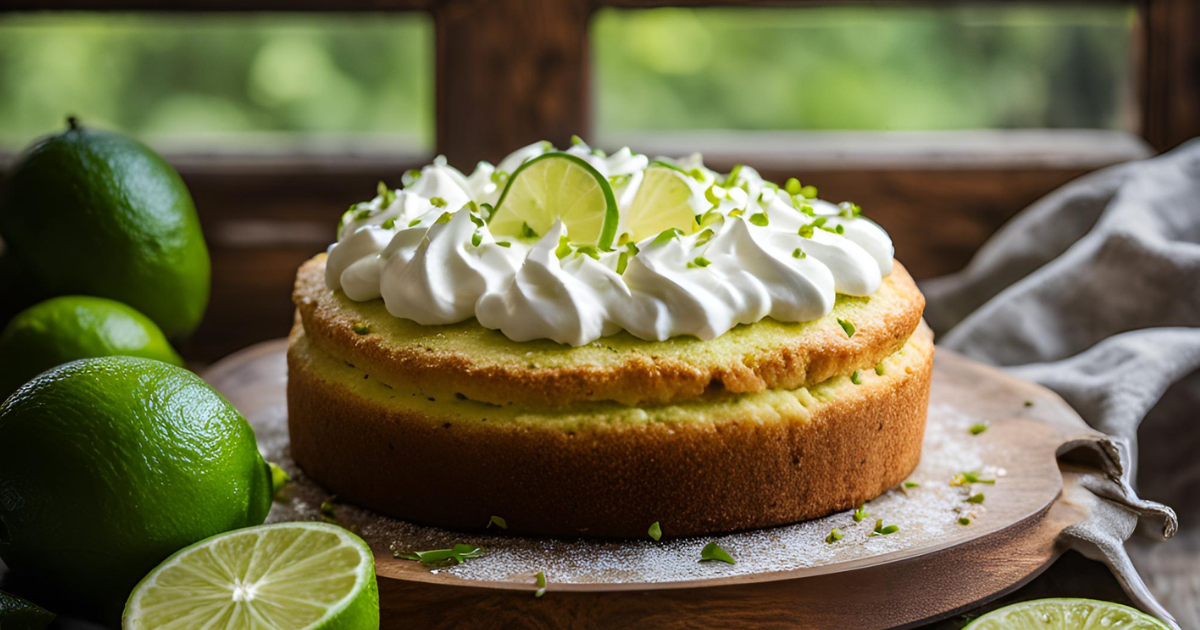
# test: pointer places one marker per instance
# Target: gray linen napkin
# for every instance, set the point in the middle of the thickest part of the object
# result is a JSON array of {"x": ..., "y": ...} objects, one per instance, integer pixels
[{"x": 1094, "y": 292}]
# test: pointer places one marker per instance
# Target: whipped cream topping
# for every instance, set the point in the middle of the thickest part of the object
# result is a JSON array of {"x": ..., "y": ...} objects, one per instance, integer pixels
[{"x": 759, "y": 251}]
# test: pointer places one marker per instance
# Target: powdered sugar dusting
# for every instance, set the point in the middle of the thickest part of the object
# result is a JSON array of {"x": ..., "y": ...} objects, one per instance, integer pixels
[{"x": 927, "y": 515}]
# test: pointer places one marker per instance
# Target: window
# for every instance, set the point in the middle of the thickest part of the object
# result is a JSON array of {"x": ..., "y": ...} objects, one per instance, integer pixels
[
  {"x": 234, "y": 82},
  {"x": 864, "y": 68}
]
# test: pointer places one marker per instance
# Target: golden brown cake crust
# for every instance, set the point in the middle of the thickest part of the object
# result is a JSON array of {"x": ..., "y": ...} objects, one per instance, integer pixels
[
  {"x": 846, "y": 444},
  {"x": 468, "y": 360}
]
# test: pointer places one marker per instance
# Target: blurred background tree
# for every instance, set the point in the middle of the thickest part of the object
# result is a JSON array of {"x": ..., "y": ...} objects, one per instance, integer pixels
[{"x": 265, "y": 82}]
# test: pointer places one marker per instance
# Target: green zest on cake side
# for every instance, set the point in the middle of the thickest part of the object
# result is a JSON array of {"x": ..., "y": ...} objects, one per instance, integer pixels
[{"x": 586, "y": 344}]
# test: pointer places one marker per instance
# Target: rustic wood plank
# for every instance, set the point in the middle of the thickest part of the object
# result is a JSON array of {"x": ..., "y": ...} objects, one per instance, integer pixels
[
  {"x": 508, "y": 74},
  {"x": 1170, "y": 72}
]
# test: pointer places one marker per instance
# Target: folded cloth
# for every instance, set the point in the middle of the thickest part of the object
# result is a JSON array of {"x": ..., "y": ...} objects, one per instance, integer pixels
[{"x": 1094, "y": 292}]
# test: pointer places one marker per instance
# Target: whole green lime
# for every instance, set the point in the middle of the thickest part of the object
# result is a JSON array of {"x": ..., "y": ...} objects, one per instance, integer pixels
[
  {"x": 110, "y": 465},
  {"x": 96, "y": 213},
  {"x": 67, "y": 328}
]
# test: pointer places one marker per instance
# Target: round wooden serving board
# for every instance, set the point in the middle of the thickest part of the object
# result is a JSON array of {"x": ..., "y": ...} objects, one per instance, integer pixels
[{"x": 786, "y": 577}]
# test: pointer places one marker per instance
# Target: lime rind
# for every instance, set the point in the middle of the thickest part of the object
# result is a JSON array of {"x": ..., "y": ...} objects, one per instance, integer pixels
[
  {"x": 1066, "y": 614},
  {"x": 583, "y": 224},
  {"x": 298, "y": 573}
]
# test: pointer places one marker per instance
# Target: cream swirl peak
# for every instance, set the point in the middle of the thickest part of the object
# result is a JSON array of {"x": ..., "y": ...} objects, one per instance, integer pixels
[{"x": 752, "y": 250}]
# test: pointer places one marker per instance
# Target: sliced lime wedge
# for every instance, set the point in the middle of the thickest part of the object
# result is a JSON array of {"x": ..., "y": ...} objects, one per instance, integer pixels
[
  {"x": 287, "y": 576},
  {"x": 662, "y": 202},
  {"x": 1066, "y": 614},
  {"x": 18, "y": 614},
  {"x": 556, "y": 186}
]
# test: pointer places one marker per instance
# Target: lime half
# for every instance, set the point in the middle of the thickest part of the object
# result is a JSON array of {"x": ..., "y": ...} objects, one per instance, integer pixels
[
  {"x": 662, "y": 202},
  {"x": 287, "y": 576},
  {"x": 556, "y": 186},
  {"x": 1066, "y": 614}
]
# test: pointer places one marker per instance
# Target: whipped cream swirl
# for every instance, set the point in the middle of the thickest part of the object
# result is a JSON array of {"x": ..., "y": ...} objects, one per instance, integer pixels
[{"x": 758, "y": 252}]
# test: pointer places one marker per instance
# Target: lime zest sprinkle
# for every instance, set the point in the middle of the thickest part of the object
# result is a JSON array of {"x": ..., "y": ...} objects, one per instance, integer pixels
[
  {"x": 976, "y": 498},
  {"x": 564, "y": 248},
  {"x": 576, "y": 140},
  {"x": 527, "y": 232},
  {"x": 437, "y": 557},
  {"x": 279, "y": 479},
  {"x": 539, "y": 581},
  {"x": 911, "y": 484},
  {"x": 697, "y": 174},
  {"x": 665, "y": 236},
  {"x": 704, "y": 236},
  {"x": 879, "y": 369},
  {"x": 328, "y": 512},
  {"x": 809, "y": 192},
  {"x": 731, "y": 180},
  {"x": 799, "y": 253},
  {"x": 437, "y": 202},
  {"x": 504, "y": 243},
  {"x": 702, "y": 261},
  {"x": 855, "y": 378},
  {"x": 445, "y": 218},
  {"x": 713, "y": 551},
  {"x": 839, "y": 228},
  {"x": 962, "y": 520},
  {"x": 860, "y": 513},
  {"x": 713, "y": 196},
  {"x": 588, "y": 250},
  {"x": 834, "y": 536},
  {"x": 792, "y": 186},
  {"x": 617, "y": 181},
  {"x": 622, "y": 263},
  {"x": 362, "y": 214},
  {"x": 976, "y": 429},
  {"x": 411, "y": 175},
  {"x": 967, "y": 478},
  {"x": 760, "y": 219},
  {"x": 498, "y": 521},
  {"x": 655, "y": 531},
  {"x": 476, "y": 239},
  {"x": 546, "y": 145},
  {"x": 849, "y": 210},
  {"x": 881, "y": 530},
  {"x": 389, "y": 224},
  {"x": 414, "y": 222},
  {"x": 361, "y": 329},
  {"x": 499, "y": 178},
  {"x": 847, "y": 326}
]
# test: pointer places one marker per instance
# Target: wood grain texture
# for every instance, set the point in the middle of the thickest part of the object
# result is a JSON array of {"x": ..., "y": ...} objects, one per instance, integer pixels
[
  {"x": 1170, "y": 72},
  {"x": 509, "y": 74}
]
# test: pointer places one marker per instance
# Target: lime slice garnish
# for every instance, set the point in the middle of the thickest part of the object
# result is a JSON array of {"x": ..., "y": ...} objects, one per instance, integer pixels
[
  {"x": 556, "y": 186},
  {"x": 287, "y": 576},
  {"x": 1066, "y": 614},
  {"x": 662, "y": 202}
]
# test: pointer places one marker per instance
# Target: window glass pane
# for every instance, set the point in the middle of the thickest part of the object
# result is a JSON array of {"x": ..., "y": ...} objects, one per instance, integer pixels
[
  {"x": 251, "y": 80},
  {"x": 863, "y": 68}
]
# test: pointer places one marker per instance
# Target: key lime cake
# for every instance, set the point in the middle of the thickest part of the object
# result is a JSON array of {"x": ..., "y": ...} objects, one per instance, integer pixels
[{"x": 585, "y": 344}]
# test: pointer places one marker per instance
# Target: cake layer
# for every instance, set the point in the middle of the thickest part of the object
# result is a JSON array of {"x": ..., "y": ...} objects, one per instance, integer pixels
[
  {"x": 466, "y": 360},
  {"x": 716, "y": 464}
]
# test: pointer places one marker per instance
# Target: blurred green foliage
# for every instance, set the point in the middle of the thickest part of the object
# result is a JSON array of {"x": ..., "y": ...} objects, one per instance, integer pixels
[
  {"x": 258, "y": 79},
  {"x": 189, "y": 77},
  {"x": 904, "y": 68}
]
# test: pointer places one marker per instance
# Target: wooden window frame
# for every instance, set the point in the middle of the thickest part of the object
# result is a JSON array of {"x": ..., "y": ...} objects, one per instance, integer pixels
[{"x": 527, "y": 63}]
